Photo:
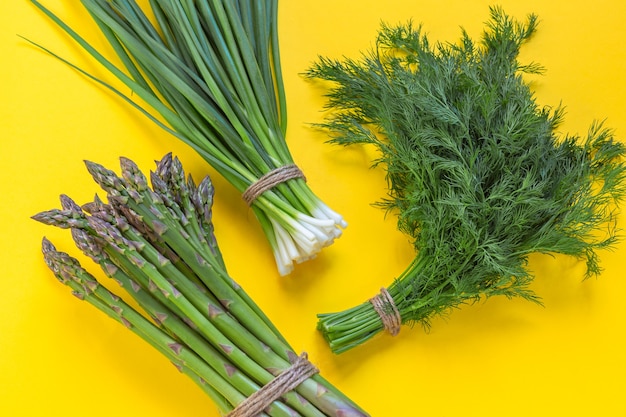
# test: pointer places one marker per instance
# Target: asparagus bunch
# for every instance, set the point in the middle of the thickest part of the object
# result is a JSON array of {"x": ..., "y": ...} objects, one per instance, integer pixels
[
  {"x": 209, "y": 73},
  {"x": 158, "y": 244}
]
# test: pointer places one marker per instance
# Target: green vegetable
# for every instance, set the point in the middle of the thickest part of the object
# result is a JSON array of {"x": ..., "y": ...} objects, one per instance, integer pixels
[
  {"x": 477, "y": 172},
  {"x": 210, "y": 72},
  {"x": 158, "y": 244}
]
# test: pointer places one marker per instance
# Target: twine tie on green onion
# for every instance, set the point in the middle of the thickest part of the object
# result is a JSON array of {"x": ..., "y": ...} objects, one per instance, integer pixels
[
  {"x": 300, "y": 370},
  {"x": 386, "y": 308},
  {"x": 271, "y": 180}
]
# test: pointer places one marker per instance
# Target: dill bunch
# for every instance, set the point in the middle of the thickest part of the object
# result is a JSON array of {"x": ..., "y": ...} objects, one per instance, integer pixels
[{"x": 477, "y": 172}]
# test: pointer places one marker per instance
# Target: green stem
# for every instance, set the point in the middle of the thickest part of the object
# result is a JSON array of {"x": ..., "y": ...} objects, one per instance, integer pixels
[
  {"x": 189, "y": 337},
  {"x": 86, "y": 288},
  {"x": 218, "y": 328}
]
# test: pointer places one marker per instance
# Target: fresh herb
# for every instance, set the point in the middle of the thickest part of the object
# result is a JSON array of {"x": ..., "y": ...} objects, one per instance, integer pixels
[
  {"x": 477, "y": 172},
  {"x": 210, "y": 72},
  {"x": 158, "y": 244}
]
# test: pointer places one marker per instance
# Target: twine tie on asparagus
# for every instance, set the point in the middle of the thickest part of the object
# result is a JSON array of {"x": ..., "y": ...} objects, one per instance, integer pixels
[
  {"x": 271, "y": 180},
  {"x": 300, "y": 370},
  {"x": 386, "y": 308}
]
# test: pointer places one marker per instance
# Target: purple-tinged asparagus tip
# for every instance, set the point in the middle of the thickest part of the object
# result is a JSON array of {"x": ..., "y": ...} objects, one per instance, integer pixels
[
  {"x": 163, "y": 166},
  {"x": 64, "y": 219},
  {"x": 97, "y": 205},
  {"x": 108, "y": 233},
  {"x": 49, "y": 251},
  {"x": 68, "y": 204},
  {"x": 88, "y": 245},
  {"x": 178, "y": 180},
  {"x": 47, "y": 246},
  {"x": 160, "y": 186},
  {"x": 133, "y": 175},
  {"x": 66, "y": 268},
  {"x": 105, "y": 178},
  {"x": 206, "y": 190}
]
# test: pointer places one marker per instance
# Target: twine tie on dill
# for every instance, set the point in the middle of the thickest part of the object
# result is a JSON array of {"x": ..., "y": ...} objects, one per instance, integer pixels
[
  {"x": 299, "y": 371},
  {"x": 271, "y": 180},
  {"x": 386, "y": 308}
]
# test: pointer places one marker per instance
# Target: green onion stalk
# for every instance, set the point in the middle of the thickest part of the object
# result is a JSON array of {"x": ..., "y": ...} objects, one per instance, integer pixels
[
  {"x": 209, "y": 73},
  {"x": 478, "y": 173},
  {"x": 157, "y": 242}
]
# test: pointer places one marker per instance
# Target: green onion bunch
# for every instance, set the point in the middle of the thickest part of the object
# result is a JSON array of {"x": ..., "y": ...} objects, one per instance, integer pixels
[
  {"x": 478, "y": 173},
  {"x": 158, "y": 244},
  {"x": 209, "y": 73}
]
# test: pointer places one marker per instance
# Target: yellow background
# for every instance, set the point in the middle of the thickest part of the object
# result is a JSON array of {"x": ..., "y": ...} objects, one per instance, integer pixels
[{"x": 61, "y": 357}]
